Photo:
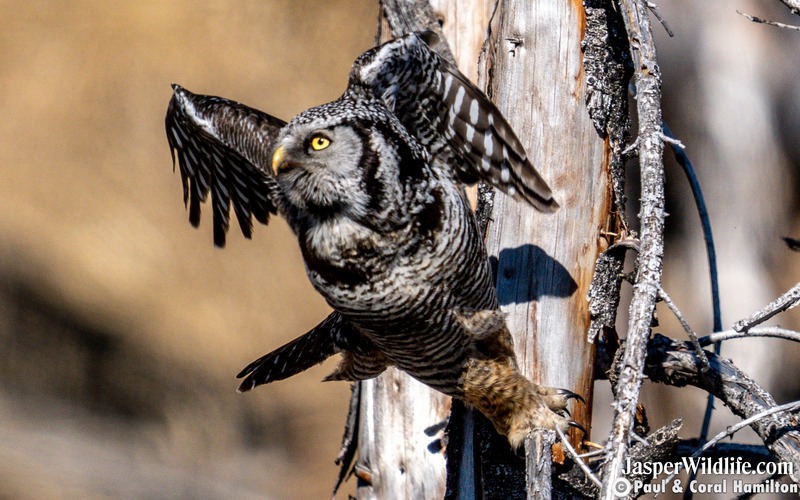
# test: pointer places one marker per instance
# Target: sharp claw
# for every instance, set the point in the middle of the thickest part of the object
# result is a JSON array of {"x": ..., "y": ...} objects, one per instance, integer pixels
[
  {"x": 575, "y": 424},
  {"x": 567, "y": 412},
  {"x": 571, "y": 395}
]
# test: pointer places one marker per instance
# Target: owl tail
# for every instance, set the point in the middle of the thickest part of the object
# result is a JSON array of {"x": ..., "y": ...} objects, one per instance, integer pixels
[{"x": 294, "y": 357}]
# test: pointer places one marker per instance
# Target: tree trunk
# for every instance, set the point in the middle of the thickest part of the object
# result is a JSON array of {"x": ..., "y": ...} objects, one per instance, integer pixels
[{"x": 544, "y": 262}]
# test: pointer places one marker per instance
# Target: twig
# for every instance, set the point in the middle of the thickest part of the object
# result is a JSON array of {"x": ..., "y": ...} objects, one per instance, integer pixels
[
  {"x": 654, "y": 9},
  {"x": 676, "y": 364},
  {"x": 749, "y": 453},
  {"x": 349, "y": 446},
  {"x": 672, "y": 141},
  {"x": 766, "y": 331},
  {"x": 631, "y": 147},
  {"x": 686, "y": 327},
  {"x": 639, "y": 439},
  {"x": 651, "y": 215},
  {"x": 786, "y": 301},
  {"x": 590, "y": 454},
  {"x": 788, "y": 407},
  {"x": 771, "y": 23},
  {"x": 794, "y": 6},
  {"x": 576, "y": 458}
]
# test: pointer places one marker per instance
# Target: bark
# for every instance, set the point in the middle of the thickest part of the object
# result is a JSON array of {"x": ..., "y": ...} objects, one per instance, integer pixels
[
  {"x": 534, "y": 71},
  {"x": 651, "y": 215},
  {"x": 544, "y": 263},
  {"x": 676, "y": 363}
]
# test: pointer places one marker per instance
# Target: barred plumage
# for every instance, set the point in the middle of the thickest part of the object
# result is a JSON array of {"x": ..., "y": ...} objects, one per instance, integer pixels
[{"x": 372, "y": 185}]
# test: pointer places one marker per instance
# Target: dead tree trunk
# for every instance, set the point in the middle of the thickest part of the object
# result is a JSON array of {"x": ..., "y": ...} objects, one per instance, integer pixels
[
  {"x": 545, "y": 262},
  {"x": 535, "y": 74},
  {"x": 533, "y": 70}
]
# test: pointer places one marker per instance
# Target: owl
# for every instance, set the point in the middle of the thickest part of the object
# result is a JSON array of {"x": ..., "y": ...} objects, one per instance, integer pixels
[{"x": 372, "y": 185}]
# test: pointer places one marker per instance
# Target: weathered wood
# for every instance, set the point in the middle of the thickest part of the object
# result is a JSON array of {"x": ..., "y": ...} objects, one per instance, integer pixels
[
  {"x": 397, "y": 458},
  {"x": 651, "y": 215},
  {"x": 545, "y": 262},
  {"x": 539, "y": 460}
]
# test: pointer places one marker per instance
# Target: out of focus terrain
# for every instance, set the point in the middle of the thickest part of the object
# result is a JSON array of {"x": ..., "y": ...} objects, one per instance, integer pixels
[{"x": 121, "y": 327}]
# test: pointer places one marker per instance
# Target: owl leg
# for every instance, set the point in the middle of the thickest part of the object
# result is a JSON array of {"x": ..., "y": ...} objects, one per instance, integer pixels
[
  {"x": 514, "y": 404},
  {"x": 494, "y": 385}
]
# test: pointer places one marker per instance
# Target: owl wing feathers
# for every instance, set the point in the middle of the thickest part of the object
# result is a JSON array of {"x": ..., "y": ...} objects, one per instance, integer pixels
[
  {"x": 451, "y": 117},
  {"x": 223, "y": 147}
]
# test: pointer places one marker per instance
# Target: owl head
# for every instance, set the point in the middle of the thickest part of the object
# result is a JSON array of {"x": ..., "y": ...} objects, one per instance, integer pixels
[{"x": 342, "y": 158}]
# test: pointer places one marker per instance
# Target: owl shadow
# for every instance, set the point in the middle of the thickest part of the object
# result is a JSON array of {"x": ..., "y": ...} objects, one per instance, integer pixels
[{"x": 526, "y": 273}]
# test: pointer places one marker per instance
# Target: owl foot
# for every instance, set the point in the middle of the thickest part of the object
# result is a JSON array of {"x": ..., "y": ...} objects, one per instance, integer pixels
[
  {"x": 515, "y": 405},
  {"x": 542, "y": 408}
]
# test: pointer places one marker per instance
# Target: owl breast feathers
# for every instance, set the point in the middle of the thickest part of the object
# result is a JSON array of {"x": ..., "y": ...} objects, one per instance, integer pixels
[{"x": 372, "y": 185}]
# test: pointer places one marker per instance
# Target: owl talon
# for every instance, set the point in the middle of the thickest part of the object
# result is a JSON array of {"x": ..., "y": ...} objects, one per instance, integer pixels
[
  {"x": 575, "y": 424},
  {"x": 570, "y": 395}
]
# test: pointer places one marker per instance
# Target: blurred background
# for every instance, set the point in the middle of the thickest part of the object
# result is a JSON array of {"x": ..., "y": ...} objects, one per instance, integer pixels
[{"x": 121, "y": 326}]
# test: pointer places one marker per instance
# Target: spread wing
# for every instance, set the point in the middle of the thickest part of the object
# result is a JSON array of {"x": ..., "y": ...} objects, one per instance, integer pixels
[
  {"x": 450, "y": 116},
  {"x": 223, "y": 147}
]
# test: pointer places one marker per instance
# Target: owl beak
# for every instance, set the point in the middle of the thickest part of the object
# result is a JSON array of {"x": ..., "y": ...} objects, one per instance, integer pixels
[{"x": 279, "y": 162}]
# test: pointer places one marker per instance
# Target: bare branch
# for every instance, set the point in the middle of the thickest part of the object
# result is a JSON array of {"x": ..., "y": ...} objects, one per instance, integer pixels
[
  {"x": 730, "y": 431},
  {"x": 686, "y": 327},
  {"x": 675, "y": 363},
  {"x": 575, "y": 457},
  {"x": 786, "y": 301},
  {"x": 788, "y": 407},
  {"x": 766, "y": 331},
  {"x": 656, "y": 12},
  {"x": 672, "y": 141},
  {"x": 539, "y": 461},
  {"x": 648, "y": 279},
  {"x": 794, "y": 6},
  {"x": 771, "y": 23}
]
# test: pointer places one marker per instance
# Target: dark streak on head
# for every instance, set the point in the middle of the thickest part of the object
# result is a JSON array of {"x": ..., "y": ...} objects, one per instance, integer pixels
[{"x": 370, "y": 162}]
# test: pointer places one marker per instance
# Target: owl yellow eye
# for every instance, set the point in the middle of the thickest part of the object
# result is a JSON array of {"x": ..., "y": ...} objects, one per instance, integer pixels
[{"x": 320, "y": 142}]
